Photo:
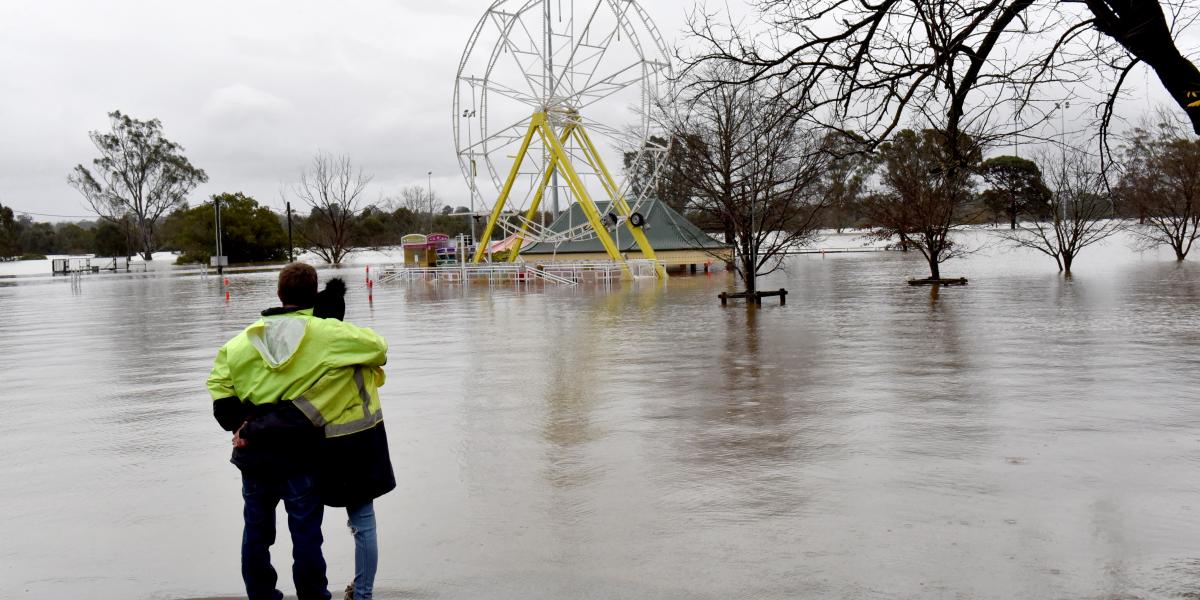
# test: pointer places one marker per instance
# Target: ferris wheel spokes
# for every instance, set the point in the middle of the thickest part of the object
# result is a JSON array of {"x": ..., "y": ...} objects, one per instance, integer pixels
[{"x": 529, "y": 134}]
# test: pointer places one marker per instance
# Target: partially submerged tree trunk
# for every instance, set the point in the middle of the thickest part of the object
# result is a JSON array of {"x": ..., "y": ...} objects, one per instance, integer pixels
[{"x": 1081, "y": 211}]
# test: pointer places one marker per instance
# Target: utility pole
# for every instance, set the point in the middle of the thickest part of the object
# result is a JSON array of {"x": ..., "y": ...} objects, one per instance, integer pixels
[
  {"x": 220, "y": 257},
  {"x": 291, "y": 247},
  {"x": 429, "y": 198}
]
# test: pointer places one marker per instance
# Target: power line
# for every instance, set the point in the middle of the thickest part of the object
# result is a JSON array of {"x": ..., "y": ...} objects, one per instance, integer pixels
[{"x": 26, "y": 212}]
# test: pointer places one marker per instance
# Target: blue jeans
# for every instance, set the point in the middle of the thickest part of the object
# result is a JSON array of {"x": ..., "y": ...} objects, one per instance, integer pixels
[
  {"x": 262, "y": 494},
  {"x": 366, "y": 548}
]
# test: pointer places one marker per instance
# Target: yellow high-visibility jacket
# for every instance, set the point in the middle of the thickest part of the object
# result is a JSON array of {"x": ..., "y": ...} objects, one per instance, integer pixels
[{"x": 281, "y": 357}]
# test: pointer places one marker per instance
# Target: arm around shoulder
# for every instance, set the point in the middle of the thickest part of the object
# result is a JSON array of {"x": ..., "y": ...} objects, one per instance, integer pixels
[{"x": 358, "y": 346}]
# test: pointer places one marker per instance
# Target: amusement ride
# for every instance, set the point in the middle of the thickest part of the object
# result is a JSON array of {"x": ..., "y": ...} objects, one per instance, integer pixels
[{"x": 554, "y": 99}]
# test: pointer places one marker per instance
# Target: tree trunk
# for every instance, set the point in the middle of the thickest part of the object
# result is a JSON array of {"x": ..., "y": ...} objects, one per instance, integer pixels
[
  {"x": 1180, "y": 253},
  {"x": 1012, "y": 215},
  {"x": 1065, "y": 267},
  {"x": 1141, "y": 27},
  {"x": 749, "y": 274},
  {"x": 934, "y": 268}
]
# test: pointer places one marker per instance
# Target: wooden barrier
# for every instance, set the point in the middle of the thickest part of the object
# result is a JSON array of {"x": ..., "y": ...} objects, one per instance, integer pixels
[{"x": 756, "y": 297}]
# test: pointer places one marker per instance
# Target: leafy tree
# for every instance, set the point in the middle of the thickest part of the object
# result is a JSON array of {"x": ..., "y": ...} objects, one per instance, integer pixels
[
  {"x": 844, "y": 181},
  {"x": 112, "y": 239},
  {"x": 926, "y": 184},
  {"x": 38, "y": 238},
  {"x": 71, "y": 238},
  {"x": 10, "y": 244},
  {"x": 140, "y": 174},
  {"x": 250, "y": 232},
  {"x": 1016, "y": 187},
  {"x": 1161, "y": 184}
]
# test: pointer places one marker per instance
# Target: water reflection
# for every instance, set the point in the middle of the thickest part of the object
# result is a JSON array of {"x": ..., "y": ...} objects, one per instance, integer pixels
[{"x": 1024, "y": 436}]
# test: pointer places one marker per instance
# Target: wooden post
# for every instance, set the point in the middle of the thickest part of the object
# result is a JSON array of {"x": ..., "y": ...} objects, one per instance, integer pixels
[
  {"x": 724, "y": 298},
  {"x": 782, "y": 297}
]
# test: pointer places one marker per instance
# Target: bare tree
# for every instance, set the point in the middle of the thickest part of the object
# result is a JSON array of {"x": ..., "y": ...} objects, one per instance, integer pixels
[
  {"x": 333, "y": 189},
  {"x": 927, "y": 182},
  {"x": 1161, "y": 184},
  {"x": 421, "y": 201},
  {"x": 869, "y": 65},
  {"x": 1081, "y": 210},
  {"x": 753, "y": 170},
  {"x": 139, "y": 177}
]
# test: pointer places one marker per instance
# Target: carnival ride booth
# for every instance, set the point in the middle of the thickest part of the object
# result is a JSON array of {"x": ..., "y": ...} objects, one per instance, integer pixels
[{"x": 428, "y": 250}]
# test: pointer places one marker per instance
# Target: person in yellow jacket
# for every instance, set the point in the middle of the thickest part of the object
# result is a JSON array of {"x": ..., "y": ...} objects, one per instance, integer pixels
[{"x": 276, "y": 444}]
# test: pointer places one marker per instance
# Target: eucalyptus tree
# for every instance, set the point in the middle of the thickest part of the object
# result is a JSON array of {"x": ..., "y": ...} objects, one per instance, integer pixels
[{"x": 139, "y": 177}]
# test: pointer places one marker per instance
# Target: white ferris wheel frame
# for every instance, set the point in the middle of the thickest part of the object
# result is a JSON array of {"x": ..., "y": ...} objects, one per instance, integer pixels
[{"x": 479, "y": 141}]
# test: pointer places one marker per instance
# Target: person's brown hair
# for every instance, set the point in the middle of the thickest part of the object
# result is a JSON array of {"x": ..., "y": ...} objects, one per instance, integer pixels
[{"x": 298, "y": 285}]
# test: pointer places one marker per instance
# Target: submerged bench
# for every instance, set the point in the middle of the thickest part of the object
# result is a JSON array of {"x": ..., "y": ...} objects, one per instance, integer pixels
[
  {"x": 756, "y": 297},
  {"x": 932, "y": 281}
]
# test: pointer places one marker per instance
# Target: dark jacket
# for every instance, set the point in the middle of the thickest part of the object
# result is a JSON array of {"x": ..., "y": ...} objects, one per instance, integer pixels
[
  {"x": 357, "y": 468},
  {"x": 280, "y": 440}
]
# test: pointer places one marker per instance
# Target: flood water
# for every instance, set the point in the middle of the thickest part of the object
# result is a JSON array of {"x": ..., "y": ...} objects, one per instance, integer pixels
[{"x": 1023, "y": 437}]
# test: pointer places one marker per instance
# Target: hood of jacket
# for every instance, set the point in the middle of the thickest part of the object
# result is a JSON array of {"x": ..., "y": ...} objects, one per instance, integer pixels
[{"x": 277, "y": 338}]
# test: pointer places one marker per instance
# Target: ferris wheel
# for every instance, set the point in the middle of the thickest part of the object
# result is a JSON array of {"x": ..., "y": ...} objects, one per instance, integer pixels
[{"x": 554, "y": 105}]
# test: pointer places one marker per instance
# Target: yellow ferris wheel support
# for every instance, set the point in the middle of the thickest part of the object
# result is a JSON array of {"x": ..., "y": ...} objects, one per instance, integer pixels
[{"x": 560, "y": 161}]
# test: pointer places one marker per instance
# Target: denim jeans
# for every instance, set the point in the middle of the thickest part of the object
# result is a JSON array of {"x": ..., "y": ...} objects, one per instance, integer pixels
[
  {"x": 262, "y": 494},
  {"x": 366, "y": 548}
]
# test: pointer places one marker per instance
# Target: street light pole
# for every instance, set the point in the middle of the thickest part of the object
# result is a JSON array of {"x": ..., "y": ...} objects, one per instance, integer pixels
[
  {"x": 429, "y": 198},
  {"x": 217, "y": 227},
  {"x": 291, "y": 247}
]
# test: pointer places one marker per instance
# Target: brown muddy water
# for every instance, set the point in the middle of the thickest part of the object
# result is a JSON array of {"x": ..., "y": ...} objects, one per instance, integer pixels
[{"x": 1023, "y": 437}]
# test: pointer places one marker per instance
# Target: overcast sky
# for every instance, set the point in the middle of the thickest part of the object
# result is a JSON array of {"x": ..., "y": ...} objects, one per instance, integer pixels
[{"x": 251, "y": 89}]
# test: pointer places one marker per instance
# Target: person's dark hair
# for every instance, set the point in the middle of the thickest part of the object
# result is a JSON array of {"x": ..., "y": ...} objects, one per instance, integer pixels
[
  {"x": 331, "y": 301},
  {"x": 298, "y": 285}
]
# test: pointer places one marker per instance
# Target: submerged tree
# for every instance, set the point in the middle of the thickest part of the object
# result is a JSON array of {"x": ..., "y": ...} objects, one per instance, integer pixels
[
  {"x": 140, "y": 176},
  {"x": 927, "y": 182},
  {"x": 1081, "y": 211},
  {"x": 753, "y": 170},
  {"x": 1016, "y": 187},
  {"x": 844, "y": 180},
  {"x": 333, "y": 190},
  {"x": 1161, "y": 184}
]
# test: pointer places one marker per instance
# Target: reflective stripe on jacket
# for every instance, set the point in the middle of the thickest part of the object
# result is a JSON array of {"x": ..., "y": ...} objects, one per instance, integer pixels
[{"x": 344, "y": 401}]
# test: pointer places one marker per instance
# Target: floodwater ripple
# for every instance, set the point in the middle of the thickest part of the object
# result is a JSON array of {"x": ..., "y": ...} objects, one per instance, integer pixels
[{"x": 1025, "y": 436}]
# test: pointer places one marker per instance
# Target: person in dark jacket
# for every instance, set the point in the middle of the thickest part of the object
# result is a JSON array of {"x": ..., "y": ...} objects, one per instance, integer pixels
[
  {"x": 276, "y": 446},
  {"x": 353, "y": 470}
]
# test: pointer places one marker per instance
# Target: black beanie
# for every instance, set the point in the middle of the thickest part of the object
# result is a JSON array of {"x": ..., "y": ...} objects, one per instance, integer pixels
[{"x": 331, "y": 301}]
